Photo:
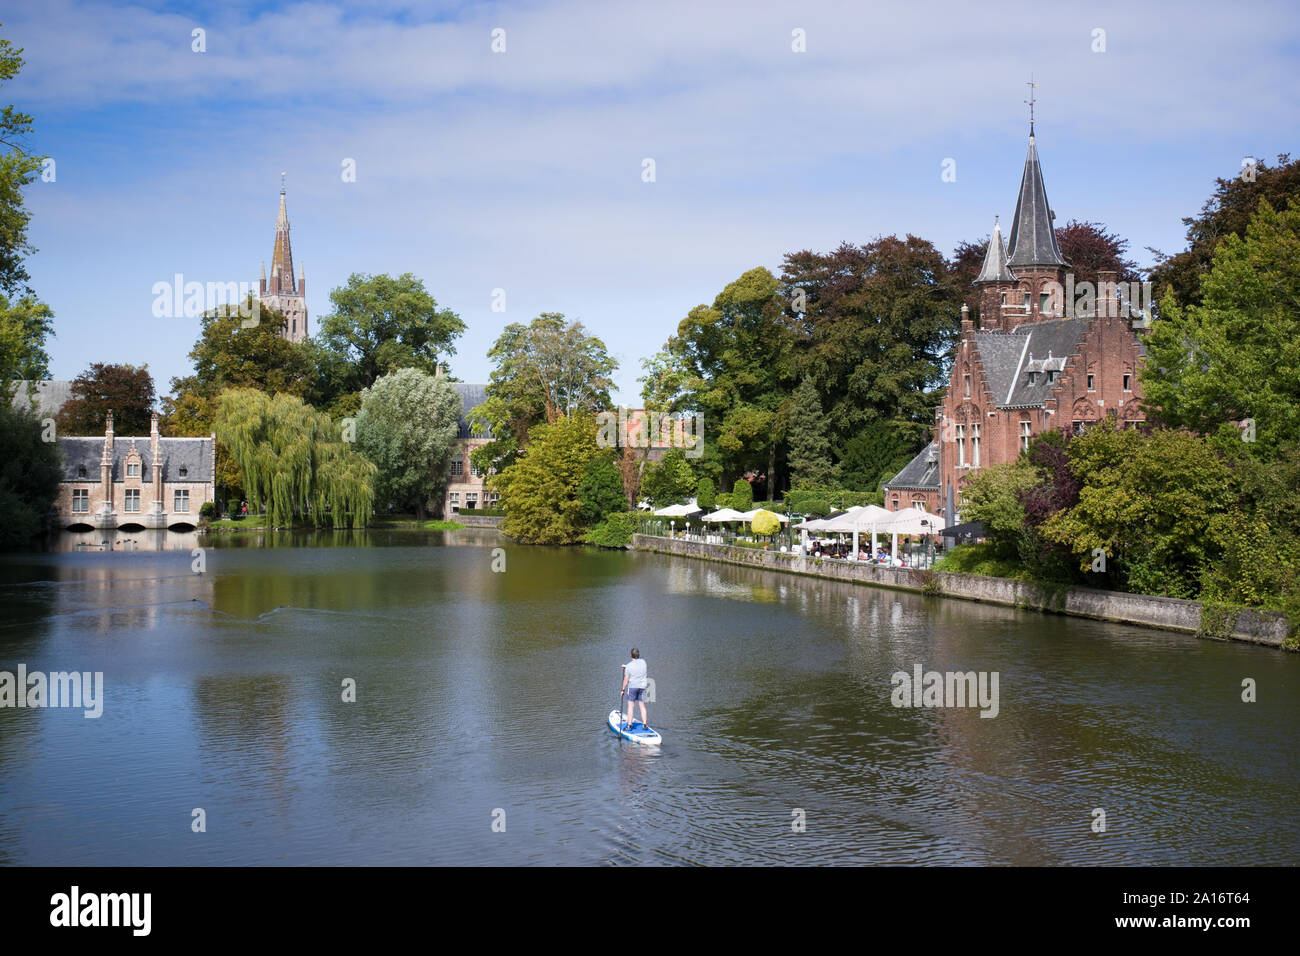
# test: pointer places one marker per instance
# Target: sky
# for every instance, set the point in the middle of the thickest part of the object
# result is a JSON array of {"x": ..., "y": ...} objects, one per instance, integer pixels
[{"x": 524, "y": 170}]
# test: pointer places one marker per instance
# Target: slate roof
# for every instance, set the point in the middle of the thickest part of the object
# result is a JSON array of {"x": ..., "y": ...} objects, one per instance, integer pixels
[
  {"x": 995, "y": 268},
  {"x": 192, "y": 454},
  {"x": 922, "y": 472},
  {"x": 1007, "y": 356},
  {"x": 1033, "y": 238},
  {"x": 50, "y": 396},
  {"x": 470, "y": 396}
]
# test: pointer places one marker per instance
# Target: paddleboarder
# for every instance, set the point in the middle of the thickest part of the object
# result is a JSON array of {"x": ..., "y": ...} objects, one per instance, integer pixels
[{"x": 634, "y": 685}]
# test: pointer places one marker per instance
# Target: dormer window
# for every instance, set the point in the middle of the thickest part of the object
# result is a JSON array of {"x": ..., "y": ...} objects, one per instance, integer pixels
[
  {"x": 184, "y": 471},
  {"x": 133, "y": 469},
  {"x": 81, "y": 471},
  {"x": 1033, "y": 378},
  {"x": 1051, "y": 377}
]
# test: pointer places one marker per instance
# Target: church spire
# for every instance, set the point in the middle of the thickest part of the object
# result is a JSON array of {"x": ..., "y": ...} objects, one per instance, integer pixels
[
  {"x": 282, "y": 254},
  {"x": 1033, "y": 236}
]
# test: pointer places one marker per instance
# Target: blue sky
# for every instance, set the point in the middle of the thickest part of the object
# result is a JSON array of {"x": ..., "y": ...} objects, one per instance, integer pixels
[{"x": 521, "y": 170}]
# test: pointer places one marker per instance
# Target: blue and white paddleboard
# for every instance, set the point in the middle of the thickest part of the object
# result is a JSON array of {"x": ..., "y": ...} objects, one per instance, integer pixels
[{"x": 638, "y": 733}]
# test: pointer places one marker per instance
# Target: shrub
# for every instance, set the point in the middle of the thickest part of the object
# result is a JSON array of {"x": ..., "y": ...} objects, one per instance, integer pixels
[
  {"x": 706, "y": 495},
  {"x": 208, "y": 510},
  {"x": 615, "y": 531},
  {"x": 742, "y": 495}
]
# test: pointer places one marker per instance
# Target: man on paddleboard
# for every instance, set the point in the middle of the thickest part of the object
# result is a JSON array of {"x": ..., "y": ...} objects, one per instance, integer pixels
[{"x": 634, "y": 685}]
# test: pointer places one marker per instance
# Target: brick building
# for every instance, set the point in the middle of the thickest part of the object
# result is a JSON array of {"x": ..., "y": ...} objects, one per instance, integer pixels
[
  {"x": 464, "y": 483},
  {"x": 1039, "y": 361},
  {"x": 280, "y": 292},
  {"x": 125, "y": 482}
]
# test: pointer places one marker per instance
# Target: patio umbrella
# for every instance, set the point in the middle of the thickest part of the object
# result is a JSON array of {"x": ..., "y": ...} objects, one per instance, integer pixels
[{"x": 724, "y": 514}]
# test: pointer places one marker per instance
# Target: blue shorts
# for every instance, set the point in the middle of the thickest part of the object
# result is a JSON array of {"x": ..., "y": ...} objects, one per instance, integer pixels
[{"x": 635, "y": 694}]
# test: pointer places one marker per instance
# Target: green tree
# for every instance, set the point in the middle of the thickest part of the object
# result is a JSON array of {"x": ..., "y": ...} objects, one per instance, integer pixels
[
  {"x": 125, "y": 390},
  {"x": 539, "y": 492},
  {"x": 24, "y": 327},
  {"x": 1235, "y": 356},
  {"x": 543, "y": 370},
  {"x": 18, "y": 168},
  {"x": 810, "y": 449},
  {"x": 380, "y": 324},
  {"x": 669, "y": 480},
  {"x": 601, "y": 489},
  {"x": 992, "y": 496},
  {"x": 292, "y": 459},
  {"x": 1228, "y": 212},
  {"x": 30, "y": 468},
  {"x": 733, "y": 362},
  {"x": 742, "y": 495},
  {"x": 876, "y": 328},
  {"x": 1148, "y": 502},
  {"x": 875, "y": 454},
  {"x": 407, "y": 427},
  {"x": 706, "y": 495}
]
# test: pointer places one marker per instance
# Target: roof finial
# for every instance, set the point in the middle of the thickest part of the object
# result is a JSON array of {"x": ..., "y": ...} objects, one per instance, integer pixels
[
  {"x": 1031, "y": 123},
  {"x": 1032, "y": 86}
]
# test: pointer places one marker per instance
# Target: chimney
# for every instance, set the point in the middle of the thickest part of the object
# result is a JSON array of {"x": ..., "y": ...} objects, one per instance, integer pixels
[
  {"x": 437, "y": 370},
  {"x": 966, "y": 324}
]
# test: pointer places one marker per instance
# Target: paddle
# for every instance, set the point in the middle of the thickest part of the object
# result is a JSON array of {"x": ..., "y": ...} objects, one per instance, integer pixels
[{"x": 621, "y": 695}]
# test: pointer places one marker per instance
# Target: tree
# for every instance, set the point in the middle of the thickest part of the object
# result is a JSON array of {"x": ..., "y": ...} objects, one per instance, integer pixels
[
  {"x": 706, "y": 495},
  {"x": 1228, "y": 212},
  {"x": 732, "y": 362},
  {"x": 544, "y": 370},
  {"x": 810, "y": 450},
  {"x": 874, "y": 455},
  {"x": 601, "y": 489},
  {"x": 742, "y": 495},
  {"x": 380, "y": 324},
  {"x": 1148, "y": 503},
  {"x": 24, "y": 327},
  {"x": 292, "y": 461},
  {"x": 125, "y": 390},
  {"x": 407, "y": 427},
  {"x": 992, "y": 496},
  {"x": 1234, "y": 356},
  {"x": 539, "y": 491},
  {"x": 876, "y": 332},
  {"x": 1090, "y": 249},
  {"x": 17, "y": 169},
  {"x": 669, "y": 480},
  {"x": 30, "y": 468},
  {"x": 765, "y": 523}
]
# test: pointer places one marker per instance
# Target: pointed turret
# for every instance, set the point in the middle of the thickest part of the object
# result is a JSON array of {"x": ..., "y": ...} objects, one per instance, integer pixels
[
  {"x": 1033, "y": 237},
  {"x": 281, "y": 293},
  {"x": 995, "y": 268},
  {"x": 282, "y": 254}
]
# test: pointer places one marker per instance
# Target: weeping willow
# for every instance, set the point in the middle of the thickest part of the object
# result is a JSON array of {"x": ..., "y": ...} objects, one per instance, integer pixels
[{"x": 292, "y": 459}]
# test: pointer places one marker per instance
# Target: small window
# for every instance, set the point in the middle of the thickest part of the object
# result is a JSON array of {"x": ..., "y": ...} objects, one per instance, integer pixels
[
  {"x": 1091, "y": 383},
  {"x": 81, "y": 469},
  {"x": 81, "y": 500},
  {"x": 1051, "y": 377},
  {"x": 1004, "y": 298},
  {"x": 457, "y": 468},
  {"x": 967, "y": 377},
  {"x": 1026, "y": 301},
  {"x": 133, "y": 469},
  {"x": 975, "y": 446},
  {"x": 1026, "y": 430},
  {"x": 181, "y": 501},
  {"x": 1043, "y": 303},
  {"x": 1128, "y": 381},
  {"x": 132, "y": 501},
  {"x": 1033, "y": 378}
]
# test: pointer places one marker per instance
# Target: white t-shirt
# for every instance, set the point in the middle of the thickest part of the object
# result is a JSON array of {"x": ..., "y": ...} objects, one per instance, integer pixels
[{"x": 635, "y": 673}]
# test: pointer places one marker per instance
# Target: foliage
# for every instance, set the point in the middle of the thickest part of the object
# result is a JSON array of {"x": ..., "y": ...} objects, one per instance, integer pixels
[
  {"x": 24, "y": 327},
  {"x": 543, "y": 370},
  {"x": 1090, "y": 249},
  {"x": 1236, "y": 355},
  {"x": 809, "y": 453},
  {"x": 742, "y": 495},
  {"x": 291, "y": 461},
  {"x": 876, "y": 453},
  {"x": 668, "y": 481},
  {"x": 601, "y": 489},
  {"x": 1149, "y": 502},
  {"x": 765, "y": 523},
  {"x": 706, "y": 495},
  {"x": 539, "y": 492},
  {"x": 875, "y": 337},
  {"x": 208, "y": 510},
  {"x": 125, "y": 390},
  {"x": 30, "y": 469},
  {"x": 992, "y": 496},
  {"x": 731, "y": 361},
  {"x": 379, "y": 325},
  {"x": 615, "y": 531},
  {"x": 981, "y": 558},
  {"x": 407, "y": 427},
  {"x": 17, "y": 169},
  {"x": 1227, "y": 212}
]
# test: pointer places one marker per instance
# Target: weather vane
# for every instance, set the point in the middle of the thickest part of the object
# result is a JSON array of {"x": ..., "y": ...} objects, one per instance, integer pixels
[
  {"x": 1031, "y": 123},
  {"x": 1032, "y": 86}
]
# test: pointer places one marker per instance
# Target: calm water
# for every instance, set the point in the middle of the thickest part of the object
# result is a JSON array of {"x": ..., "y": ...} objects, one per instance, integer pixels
[{"x": 481, "y": 691}]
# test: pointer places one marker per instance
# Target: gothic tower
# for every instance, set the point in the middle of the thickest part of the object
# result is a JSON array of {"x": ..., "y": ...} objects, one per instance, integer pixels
[
  {"x": 1021, "y": 281},
  {"x": 280, "y": 292}
]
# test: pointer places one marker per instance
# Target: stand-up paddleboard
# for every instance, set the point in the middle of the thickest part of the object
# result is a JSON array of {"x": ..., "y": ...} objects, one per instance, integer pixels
[{"x": 638, "y": 733}]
